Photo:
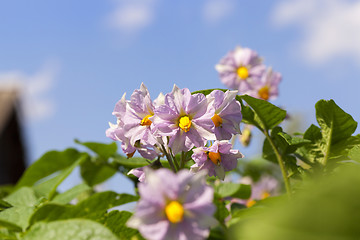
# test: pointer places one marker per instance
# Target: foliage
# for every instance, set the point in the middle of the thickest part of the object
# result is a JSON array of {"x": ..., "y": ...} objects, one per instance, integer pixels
[{"x": 304, "y": 186}]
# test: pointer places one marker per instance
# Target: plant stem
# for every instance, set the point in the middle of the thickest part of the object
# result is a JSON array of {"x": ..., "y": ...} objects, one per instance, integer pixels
[
  {"x": 174, "y": 160},
  {"x": 168, "y": 157},
  {"x": 281, "y": 163},
  {"x": 182, "y": 160}
]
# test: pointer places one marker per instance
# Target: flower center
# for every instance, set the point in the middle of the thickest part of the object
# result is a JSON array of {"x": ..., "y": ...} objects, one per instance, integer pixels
[
  {"x": 265, "y": 195},
  {"x": 174, "y": 211},
  {"x": 215, "y": 157},
  {"x": 264, "y": 93},
  {"x": 185, "y": 123},
  {"x": 145, "y": 121},
  {"x": 250, "y": 203},
  {"x": 243, "y": 72},
  {"x": 217, "y": 120}
]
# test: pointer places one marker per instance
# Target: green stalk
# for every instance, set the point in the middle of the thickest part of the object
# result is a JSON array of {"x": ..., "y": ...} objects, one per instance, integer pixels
[
  {"x": 281, "y": 164},
  {"x": 182, "y": 160},
  {"x": 168, "y": 157},
  {"x": 174, "y": 160}
]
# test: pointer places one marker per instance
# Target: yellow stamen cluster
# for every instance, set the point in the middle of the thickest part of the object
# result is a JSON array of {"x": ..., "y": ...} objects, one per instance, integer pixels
[
  {"x": 214, "y": 157},
  {"x": 250, "y": 203},
  {"x": 185, "y": 123},
  {"x": 242, "y": 72},
  {"x": 264, "y": 93},
  {"x": 217, "y": 120},
  {"x": 146, "y": 121},
  {"x": 174, "y": 211},
  {"x": 265, "y": 195}
]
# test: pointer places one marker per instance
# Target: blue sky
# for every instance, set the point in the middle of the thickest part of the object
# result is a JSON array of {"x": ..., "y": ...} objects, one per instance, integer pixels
[{"x": 75, "y": 59}]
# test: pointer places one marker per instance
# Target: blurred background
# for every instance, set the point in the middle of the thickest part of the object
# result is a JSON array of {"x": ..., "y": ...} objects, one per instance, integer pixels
[{"x": 64, "y": 64}]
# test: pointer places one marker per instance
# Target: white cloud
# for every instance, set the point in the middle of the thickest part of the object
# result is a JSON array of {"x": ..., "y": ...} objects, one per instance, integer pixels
[
  {"x": 330, "y": 28},
  {"x": 131, "y": 16},
  {"x": 216, "y": 10},
  {"x": 35, "y": 103}
]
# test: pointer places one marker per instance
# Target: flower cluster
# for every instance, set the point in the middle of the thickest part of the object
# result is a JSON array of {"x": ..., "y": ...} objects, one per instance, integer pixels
[
  {"x": 177, "y": 123},
  {"x": 184, "y": 128},
  {"x": 242, "y": 69}
]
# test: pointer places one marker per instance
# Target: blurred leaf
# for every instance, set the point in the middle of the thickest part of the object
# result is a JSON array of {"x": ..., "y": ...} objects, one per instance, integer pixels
[
  {"x": 354, "y": 153},
  {"x": 93, "y": 207},
  {"x": 236, "y": 190},
  {"x": 9, "y": 225},
  {"x": 96, "y": 172},
  {"x": 221, "y": 211},
  {"x": 116, "y": 222},
  {"x": 129, "y": 163},
  {"x": 48, "y": 188},
  {"x": 70, "y": 194},
  {"x": 69, "y": 229},
  {"x": 48, "y": 164},
  {"x": 4, "y": 205},
  {"x": 7, "y": 234},
  {"x": 5, "y": 190},
  {"x": 24, "y": 201},
  {"x": 16, "y": 218},
  {"x": 324, "y": 209},
  {"x": 101, "y": 149},
  {"x": 24, "y": 196},
  {"x": 267, "y": 115},
  {"x": 217, "y": 233}
]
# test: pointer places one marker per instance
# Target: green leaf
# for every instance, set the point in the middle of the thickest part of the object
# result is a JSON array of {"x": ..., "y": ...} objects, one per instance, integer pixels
[
  {"x": 324, "y": 209},
  {"x": 9, "y": 225},
  {"x": 267, "y": 115},
  {"x": 116, "y": 222},
  {"x": 129, "y": 163},
  {"x": 101, "y": 149},
  {"x": 221, "y": 211},
  {"x": 4, "y": 205},
  {"x": 95, "y": 172},
  {"x": 7, "y": 234},
  {"x": 336, "y": 125},
  {"x": 48, "y": 164},
  {"x": 294, "y": 141},
  {"x": 48, "y": 188},
  {"x": 208, "y": 91},
  {"x": 24, "y": 201},
  {"x": 235, "y": 190},
  {"x": 5, "y": 190},
  {"x": 16, "y": 218},
  {"x": 354, "y": 153},
  {"x": 79, "y": 229},
  {"x": 24, "y": 196},
  {"x": 332, "y": 142},
  {"x": 70, "y": 194},
  {"x": 93, "y": 207}
]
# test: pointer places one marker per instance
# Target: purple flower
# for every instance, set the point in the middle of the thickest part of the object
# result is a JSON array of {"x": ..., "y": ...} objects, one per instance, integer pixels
[
  {"x": 174, "y": 206},
  {"x": 217, "y": 159},
  {"x": 267, "y": 87},
  {"x": 227, "y": 116},
  {"x": 240, "y": 68},
  {"x": 137, "y": 123},
  {"x": 133, "y": 127},
  {"x": 185, "y": 118},
  {"x": 139, "y": 173}
]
